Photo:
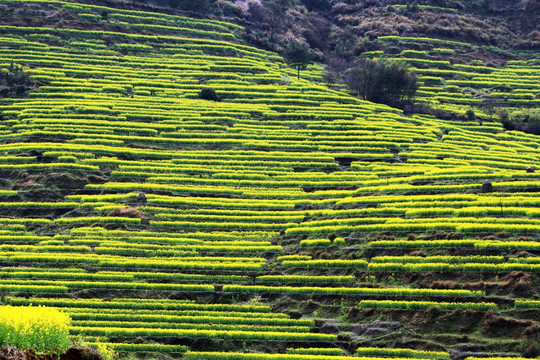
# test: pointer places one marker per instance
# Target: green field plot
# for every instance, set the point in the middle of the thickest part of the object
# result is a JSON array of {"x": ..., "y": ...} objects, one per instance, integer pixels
[{"x": 280, "y": 219}]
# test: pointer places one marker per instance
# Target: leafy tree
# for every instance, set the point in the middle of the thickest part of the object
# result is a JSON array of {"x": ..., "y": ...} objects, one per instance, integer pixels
[
  {"x": 382, "y": 81},
  {"x": 526, "y": 120},
  {"x": 533, "y": 125},
  {"x": 399, "y": 84},
  {"x": 530, "y": 118},
  {"x": 299, "y": 55},
  {"x": 364, "y": 79}
]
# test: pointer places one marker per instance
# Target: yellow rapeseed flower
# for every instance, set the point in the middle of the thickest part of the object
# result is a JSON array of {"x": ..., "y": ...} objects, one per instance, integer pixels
[{"x": 40, "y": 328}]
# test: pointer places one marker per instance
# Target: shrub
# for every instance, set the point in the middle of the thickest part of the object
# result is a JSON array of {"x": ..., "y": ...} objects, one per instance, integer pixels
[
  {"x": 106, "y": 351},
  {"x": 208, "y": 94},
  {"x": 471, "y": 115},
  {"x": 42, "y": 329}
]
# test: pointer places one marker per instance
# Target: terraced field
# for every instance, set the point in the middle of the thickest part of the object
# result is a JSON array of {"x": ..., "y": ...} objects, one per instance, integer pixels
[
  {"x": 454, "y": 85},
  {"x": 286, "y": 221}
]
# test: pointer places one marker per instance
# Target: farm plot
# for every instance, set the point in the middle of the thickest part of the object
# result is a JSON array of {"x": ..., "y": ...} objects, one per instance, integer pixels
[{"x": 147, "y": 212}]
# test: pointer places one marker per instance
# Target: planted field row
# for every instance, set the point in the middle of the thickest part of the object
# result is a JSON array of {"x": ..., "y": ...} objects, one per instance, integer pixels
[
  {"x": 193, "y": 355},
  {"x": 422, "y": 305},
  {"x": 467, "y": 243},
  {"x": 205, "y": 334},
  {"x": 281, "y": 187},
  {"x": 126, "y": 303}
]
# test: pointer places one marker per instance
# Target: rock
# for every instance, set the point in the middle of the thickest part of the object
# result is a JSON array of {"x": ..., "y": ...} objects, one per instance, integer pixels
[
  {"x": 11, "y": 353},
  {"x": 487, "y": 186},
  {"x": 295, "y": 315},
  {"x": 344, "y": 161},
  {"x": 141, "y": 199},
  {"x": 38, "y": 154},
  {"x": 353, "y": 236},
  {"x": 81, "y": 353}
]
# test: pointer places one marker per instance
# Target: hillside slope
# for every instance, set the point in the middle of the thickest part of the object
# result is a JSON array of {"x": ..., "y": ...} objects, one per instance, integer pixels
[
  {"x": 285, "y": 218},
  {"x": 475, "y": 59}
]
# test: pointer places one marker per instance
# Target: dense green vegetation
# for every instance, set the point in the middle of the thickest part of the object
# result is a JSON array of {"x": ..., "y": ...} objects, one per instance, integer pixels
[{"x": 180, "y": 193}]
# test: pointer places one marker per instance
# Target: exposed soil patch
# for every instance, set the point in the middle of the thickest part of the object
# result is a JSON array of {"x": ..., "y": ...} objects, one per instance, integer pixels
[
  {"x": 496, "y": 325},
  {"x": 74, "y": 353},
  {"x": 516, "y": 283},
  {"x": 126, "y": 212},
  {"x": 81, "y": 353}
]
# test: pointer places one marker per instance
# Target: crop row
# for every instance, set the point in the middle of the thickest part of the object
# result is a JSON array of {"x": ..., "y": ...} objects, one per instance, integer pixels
[
  {"x": 199, "y": 333},
  {"x": 150, "y": 304},
  {"x": 68, "y": 274},
  {"x": 10, "y": 285},
  {"x": 187, "y": 318},
  {"x": 349, "y": 291},
  {"x": 154, "y": 315},
  {"x": 400, "y": 352},
  {"x": 105, "y": 261},
  {"x": 438, "y": 259},
  {"x": 195, "y": 355},
  {"x": 417, "y": 227},
  {"x": 422, "y": 305},
  {"x": 189, "y": 326},
  {"x": 315, "y": 351},
  {"x": 161, "y": 348}
]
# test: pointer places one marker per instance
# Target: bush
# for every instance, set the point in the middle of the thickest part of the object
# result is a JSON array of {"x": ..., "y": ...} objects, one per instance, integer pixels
[
  {"x": 42, "y": 329},
  {"x": 471, "y": 115},
  {"x": 208, "y": 94}
]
